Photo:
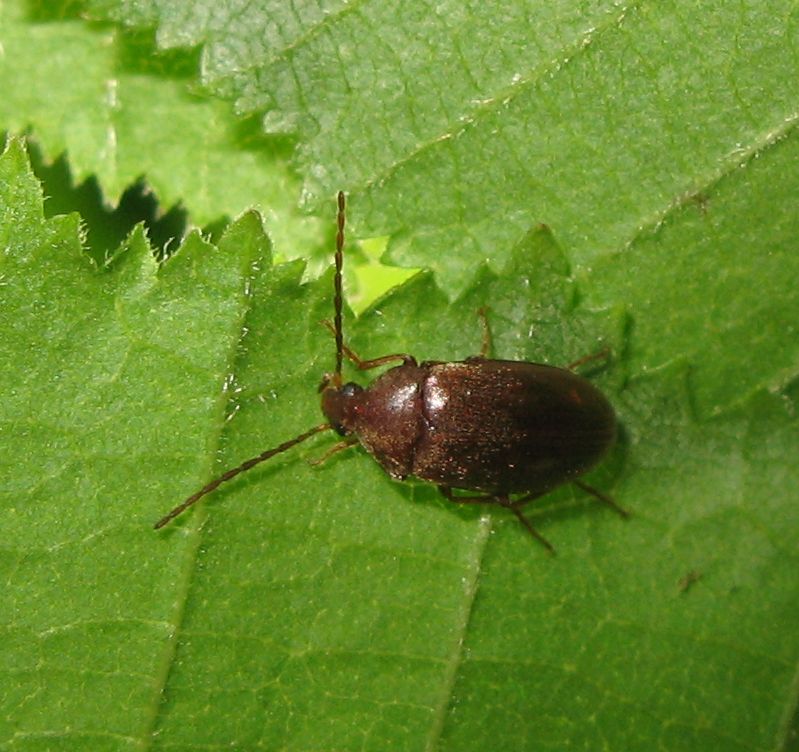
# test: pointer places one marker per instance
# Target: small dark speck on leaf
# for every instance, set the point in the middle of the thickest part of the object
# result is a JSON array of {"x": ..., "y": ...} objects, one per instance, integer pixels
[{"x": 688, "y": 580}]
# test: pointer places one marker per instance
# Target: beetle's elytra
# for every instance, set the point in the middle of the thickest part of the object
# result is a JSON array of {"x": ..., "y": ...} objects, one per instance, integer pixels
[{"x": 503, "y": 428}]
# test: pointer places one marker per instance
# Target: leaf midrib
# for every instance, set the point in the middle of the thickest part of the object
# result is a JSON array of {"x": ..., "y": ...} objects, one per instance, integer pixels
[
  {"x": 472, "y": 580},
  {"x": 196, "y": 523}
]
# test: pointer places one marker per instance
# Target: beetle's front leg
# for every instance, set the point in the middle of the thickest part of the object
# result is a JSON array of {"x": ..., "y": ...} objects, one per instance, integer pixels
[
  {"x": 365, "y": 365},
  {"x": 335, "y": 449}
]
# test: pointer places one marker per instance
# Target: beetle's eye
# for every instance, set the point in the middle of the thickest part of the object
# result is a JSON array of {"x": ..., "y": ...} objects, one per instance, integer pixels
[{"x": 350, "y": 389}]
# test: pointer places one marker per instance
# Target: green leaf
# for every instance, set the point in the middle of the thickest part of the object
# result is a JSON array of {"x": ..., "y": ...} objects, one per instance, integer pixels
[
  {"x": 609, "y": 124},
  {"x": 332, "y": 608},
  {"x": 460, "y": 125},
  {"x": 106, "y": 373},
  {"x": 121, "y": 111}
]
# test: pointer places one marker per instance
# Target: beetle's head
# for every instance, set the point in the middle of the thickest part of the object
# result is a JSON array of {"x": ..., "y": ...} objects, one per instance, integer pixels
[{"x": 339, "y": 402}]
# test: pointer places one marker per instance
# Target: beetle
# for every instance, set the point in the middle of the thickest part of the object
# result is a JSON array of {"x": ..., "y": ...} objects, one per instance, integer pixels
[{"x": 503, "y": 428}]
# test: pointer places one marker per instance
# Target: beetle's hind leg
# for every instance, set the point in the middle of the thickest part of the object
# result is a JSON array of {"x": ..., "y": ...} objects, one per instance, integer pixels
[{"x": 503, "y": 501}]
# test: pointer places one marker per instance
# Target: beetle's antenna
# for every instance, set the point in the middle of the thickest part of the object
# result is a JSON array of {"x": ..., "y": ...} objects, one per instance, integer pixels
[
  {"x": 337, "y": 300},
  {"x": 226, "y": 476}
]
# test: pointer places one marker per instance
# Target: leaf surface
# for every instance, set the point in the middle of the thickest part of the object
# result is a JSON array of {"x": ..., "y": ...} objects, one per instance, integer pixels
[
  {"x": 121, "y": 111},
  {"x": 318, "y": 608},
  {"x": 331, "y": 608},
  {"x": 459, "y": 125}
]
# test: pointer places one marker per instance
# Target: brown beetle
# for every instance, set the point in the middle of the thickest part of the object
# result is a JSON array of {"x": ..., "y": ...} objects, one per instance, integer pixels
[{"x": 501, "y": 427}]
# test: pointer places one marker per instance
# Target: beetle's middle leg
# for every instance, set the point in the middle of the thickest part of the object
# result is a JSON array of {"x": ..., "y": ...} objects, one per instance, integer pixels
[
  {"x": 503, "y": 501},
  {"x": 603, "y": 497},
  {"x": 604, "y": 353},
  {"x": 488, "y": 343}
]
